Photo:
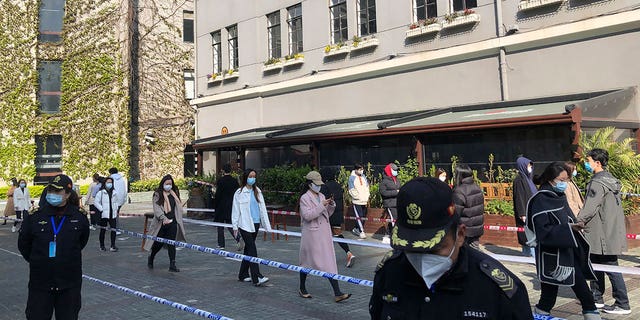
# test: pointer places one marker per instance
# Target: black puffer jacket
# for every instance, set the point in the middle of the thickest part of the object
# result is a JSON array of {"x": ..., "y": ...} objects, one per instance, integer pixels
[{"x": 469, "y": 201}]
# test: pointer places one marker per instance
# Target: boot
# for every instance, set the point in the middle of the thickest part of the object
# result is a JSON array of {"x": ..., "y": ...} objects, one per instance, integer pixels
[
  {"x": 172, "y": 266},
  {"x": 150, "y": 262}
]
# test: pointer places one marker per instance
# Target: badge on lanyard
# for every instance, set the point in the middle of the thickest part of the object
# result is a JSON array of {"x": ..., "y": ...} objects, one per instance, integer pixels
[{"x": 56, "y": 230}]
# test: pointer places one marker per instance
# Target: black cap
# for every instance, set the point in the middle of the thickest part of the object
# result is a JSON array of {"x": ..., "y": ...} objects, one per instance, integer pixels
[
  {"x": 425, "y": 215},
  {"x": 61, "y": 182}
]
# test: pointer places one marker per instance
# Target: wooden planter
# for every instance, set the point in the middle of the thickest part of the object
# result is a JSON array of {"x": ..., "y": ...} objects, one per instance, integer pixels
[
  {"x": 633, "y": 228},
  {"x": 369, "y": 226},
  {"x": 499, "y": 238}
]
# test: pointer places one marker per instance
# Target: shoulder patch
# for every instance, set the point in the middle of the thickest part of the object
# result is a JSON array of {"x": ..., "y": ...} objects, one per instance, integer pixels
[
  {"x": 390, "y": 254},
  {"x": 500, "y": 276},
  {"x": 83, "y": 211},
  {"x": 33, "y": 210}
]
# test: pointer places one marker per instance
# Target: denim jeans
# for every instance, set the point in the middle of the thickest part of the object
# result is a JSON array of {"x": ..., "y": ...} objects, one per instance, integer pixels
[
  {"x": 618, "y": 288},
  {"x": 529, "y": 251}
]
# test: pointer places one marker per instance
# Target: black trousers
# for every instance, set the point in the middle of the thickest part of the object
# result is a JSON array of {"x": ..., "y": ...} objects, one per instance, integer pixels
[
  {"x": 42, "y": 303},
  {"x": 167, "y": 231},
  {"x": 112, "y": 223},
  {"x": 250, "y": 250},
  {"x": 19, "y": 216},
  {"x": 221, "y": 231},
  {"x": 94, "y": 218},
  {"x": 362, "y": 212},
  {"x": 618, "y": 287},
  {"x": 549, "y": 292}
]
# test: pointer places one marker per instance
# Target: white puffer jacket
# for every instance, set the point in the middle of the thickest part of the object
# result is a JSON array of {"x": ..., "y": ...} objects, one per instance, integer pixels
[{"x": 101, "y": 202}]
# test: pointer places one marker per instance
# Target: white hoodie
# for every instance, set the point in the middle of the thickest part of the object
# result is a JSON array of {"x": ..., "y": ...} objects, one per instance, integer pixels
[{"x": 120, "y": 186}]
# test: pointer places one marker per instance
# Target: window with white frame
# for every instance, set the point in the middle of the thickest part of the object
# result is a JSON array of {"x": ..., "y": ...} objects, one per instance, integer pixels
[
  {"x": 216, "y": 42},
  {"x": 338, "y": 11},
  {"x": 366, "y": 17},
  {"x": 424, "y": 9},
  {"x": 294, "y": 20},
  {"x": 232, "y": 32},
  {"x": 189, "y": 84},
  {"x": 461, "y": 5},
  {"x": 273, "y": 32}
]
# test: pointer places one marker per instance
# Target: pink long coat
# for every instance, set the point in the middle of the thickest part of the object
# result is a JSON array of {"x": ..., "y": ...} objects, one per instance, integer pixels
[{"x": 316, "y": 245}]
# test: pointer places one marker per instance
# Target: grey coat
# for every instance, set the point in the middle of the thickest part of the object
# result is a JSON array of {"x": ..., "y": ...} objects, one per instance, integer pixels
[
  {"x": 603, "y": 215},
  {"x": 156, "y": 222}
]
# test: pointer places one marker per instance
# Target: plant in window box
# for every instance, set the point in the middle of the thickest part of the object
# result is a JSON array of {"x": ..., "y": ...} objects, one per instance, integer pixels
[
  {"x": 213, "y": 77},
  {"x": 356, "y": 40},
  {"x": 422, "y": 27},
  {"x": 336, "y": 49},
  {"x": 462, "y": 18},
  {"x": 293, "y": 59},
  {"x": 231, "y": 73},
  {"x": 364, "y": 42},
  {"x": 272, "y": 64}
]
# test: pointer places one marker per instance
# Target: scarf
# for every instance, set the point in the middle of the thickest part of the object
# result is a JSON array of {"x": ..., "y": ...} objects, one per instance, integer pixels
[{"x": 167, "y": 204}]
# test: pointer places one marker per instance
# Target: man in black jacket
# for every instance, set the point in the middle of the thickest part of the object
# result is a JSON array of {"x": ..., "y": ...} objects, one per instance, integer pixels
[
  {"x": 225, "y": 188},
  {"x": 51, "y": 240},
  {"x": 433, "y": 274},
  {"x": 389, "y": 188}
]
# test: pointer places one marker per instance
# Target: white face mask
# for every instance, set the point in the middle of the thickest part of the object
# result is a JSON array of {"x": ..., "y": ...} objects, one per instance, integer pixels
[
  {"x": 442, "y": 178},
  {"x": 394, "y": 173},
  {"x": 431, "y": 266},
  {"x": 315, "y": 188},
  {"x": 530, "y": 169},
  {"x": 359, "y": 172}
]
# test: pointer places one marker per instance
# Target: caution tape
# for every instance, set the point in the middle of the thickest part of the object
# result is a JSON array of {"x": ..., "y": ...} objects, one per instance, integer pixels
[{"x": 630, "y": 236}]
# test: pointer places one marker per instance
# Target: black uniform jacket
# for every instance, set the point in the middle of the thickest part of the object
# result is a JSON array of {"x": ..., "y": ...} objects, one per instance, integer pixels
[
  {"x": 225, "y": 188},
  {"x": 65, "y": 269},
  {"x": 332, "y": 188},
  {"x": 477, "y": 287}
]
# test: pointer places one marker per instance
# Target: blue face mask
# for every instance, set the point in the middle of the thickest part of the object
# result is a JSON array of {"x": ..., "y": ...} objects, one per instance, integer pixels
[
  {"x": 167, "y": 187},
  {"x": 587, "y": 166},
  {"x": 251, "y": 181},
  {"x": 560, "y": 186},
  {"x": 54, "y": 199},
  {"x": 394, "y": 173},
  {"x": 22, "y": 185},
  {"x": 108, "y": 185}
]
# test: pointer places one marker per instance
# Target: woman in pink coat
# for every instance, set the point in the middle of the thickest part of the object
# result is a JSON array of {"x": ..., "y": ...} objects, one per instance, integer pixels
[{"x": 316, "y": 245}]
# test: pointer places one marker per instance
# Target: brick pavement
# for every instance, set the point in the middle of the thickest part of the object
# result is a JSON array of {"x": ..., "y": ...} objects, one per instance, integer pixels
[{"x": 209, "y": 282}]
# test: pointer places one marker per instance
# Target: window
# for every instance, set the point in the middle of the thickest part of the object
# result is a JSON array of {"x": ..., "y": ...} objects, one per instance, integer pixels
[
  {"x": 187, "y": 26},
  {"x": 49, "y": 86},
  {"x": 48, "y": 153},
  {"x": 51, "y": 15},
  {"x": 295, "y": 29},
  {"x": 189, "y": 84},
  {"x": 273, "y": 31},
  {"x": 233, "y": 46},
  {"x": 460, "y": 5},
  {"x": 367, "y": 17},
  {"x": 216, "y": 40},
  {"x": 425, "y": 9},
  {"x": 339, "y": 31}
]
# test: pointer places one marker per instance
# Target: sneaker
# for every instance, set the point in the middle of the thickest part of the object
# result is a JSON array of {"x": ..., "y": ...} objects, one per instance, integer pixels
[
  {"x": 616, "y": 310},
  {"x": 540, "y": 312},
  {"x": 356, "y": 232},
  {"x": 118, "y": 233},
  {"x": 113, "y": 249},
  {"x": 103, "y": 249},
  {"x": 599, "y": 305},
  {"x": 92, "y": 228},
  {"x": 220, "y": 247},
  {"x": 386, "y": 240},
  {"x": 350, "y": 258},
  {"x": 240, "y": 245},
  {"x": 363, "y": 235},
  {"x": 247, "y": 279},
  {"x": 261, "y": 281},
  {"x": 13, "y": 229}
]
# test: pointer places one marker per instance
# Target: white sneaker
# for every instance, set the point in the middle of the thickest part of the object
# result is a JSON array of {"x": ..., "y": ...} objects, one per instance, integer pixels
[
  {"x": 118, "y": 233},
  {"x": 247, "y": 279},
  {"x": 261, "y": 281},
  {"x": 13, "y": 229},
  {"x": 616, "y": 310},
  {"x": 599, "y": 305},
  {"x": 92, "y": 228},
  {"x": 386, "y": 240},
  {"x": 363, "y": 235}
]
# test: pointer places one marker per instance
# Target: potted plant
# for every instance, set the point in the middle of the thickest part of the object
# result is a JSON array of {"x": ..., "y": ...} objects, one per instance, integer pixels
[
  {"x": 336, "y": 49},
  {"x": 231, "y": 74},
  {"x": 359, "y": 43},
  {"x": 272, "y": 64},
  {"x": 422, "y": 27},
  {"x": 293, "y": 59},
  {"x": 213, "y": 77},
  {"x": 456, "y": 19}
]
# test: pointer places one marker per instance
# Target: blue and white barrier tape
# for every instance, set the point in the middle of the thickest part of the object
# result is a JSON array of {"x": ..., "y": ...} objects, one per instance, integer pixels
[
  {"x": 542, "y": 317},
  {"x": 270, "y": 263},
  {"x": 179, "y": 306}
]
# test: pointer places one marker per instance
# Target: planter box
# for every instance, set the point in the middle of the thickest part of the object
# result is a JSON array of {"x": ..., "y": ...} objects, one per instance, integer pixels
[
  {"x": 496, "y": 237},
  {"x": 232, "y": 76},
  {"x": 429, "y": 29},
  {"x": 293, "y": 62},
  {"x": 369, "y": 43},
  {"x": 370, "y": 227},
  {"x": 462, "y": 21},
  {"x": 633, "y": 227},
  {"x": 532, "y": 4},
  {"x": 215, "y": 80},
  {"x": 336, "y": 52},
  {"x": 271, "y": 67}
]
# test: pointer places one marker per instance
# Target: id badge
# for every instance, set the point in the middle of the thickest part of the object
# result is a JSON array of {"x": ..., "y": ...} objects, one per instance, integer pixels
[{"x": 52, "y": 249}]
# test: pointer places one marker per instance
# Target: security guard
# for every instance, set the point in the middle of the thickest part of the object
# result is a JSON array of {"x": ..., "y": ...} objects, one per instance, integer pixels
[
  {"x": 432, "y": 274},
  {"x": 51, "y": 241}
]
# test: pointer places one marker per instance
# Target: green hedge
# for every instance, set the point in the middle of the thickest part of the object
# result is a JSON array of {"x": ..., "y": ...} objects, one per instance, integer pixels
[
  {"x": 501, "y": 207},
  {"x": 152, "y": 184},
  {"x": 36, "y": 191}
]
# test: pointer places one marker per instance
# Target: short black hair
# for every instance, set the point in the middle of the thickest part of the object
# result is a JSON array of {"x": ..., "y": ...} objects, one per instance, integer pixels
[
  {"x": 226, "y": 168},
  {"x": 113, "y": 170},
  {"x": 551, "y": 172},
  {"x": 599, "y": 155},
  {"x": 358, "y": 166}
]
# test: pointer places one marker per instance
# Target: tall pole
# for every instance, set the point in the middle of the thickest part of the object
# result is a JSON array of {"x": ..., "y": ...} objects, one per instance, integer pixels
[{"x": 134, "y": 89}]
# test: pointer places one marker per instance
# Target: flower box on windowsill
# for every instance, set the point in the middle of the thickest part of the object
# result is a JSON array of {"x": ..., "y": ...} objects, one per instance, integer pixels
[
  {"x": 428, "y": 29},
  {"x": 293, "y": 62},
  {"x": 215, "y": 80},
  {"x": 337, "y": 51},
  {"x": 232, "y": 76},
  {"x": 272, "y": 67},
  {"x": 532, "y": 4},
  {"x": 369, "y": 43},
  {"x": 463, "y": 20}
]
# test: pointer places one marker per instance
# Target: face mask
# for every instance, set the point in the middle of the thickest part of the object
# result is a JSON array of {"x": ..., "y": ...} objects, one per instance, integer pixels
[
  {"x": 54, "y": 199},
  {"x": 394, "y": 173},
  {"x": 22, "y": 185},
  {"x": 167, "y": 187},
  {"x": 442, "y": 178},
  {"x": 431, "y": 266},
  {"x": 108, "y": 185},
  {"x": 359, "y": 172},
  {"x": 574, "y": 173},
  {"x": 315, "y": 188},
  {"x": 251, "y": 181},
  {"x": 530, "y": 169},
  {"x": 587, "y": 166},
  {"x": 560, "y": 186}
]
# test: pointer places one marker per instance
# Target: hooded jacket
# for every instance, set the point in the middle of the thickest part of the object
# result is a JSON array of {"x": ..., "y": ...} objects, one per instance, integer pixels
[
  {"x": 559, "y": 249},
  {"x": 603, "y": 216},
  {"x": 468, "y": 199},
  {"x": 389, "y": 188},
  {"x": 523, "y": 189},
  {"x": 358, "y": 189},
  {"x": 120, "y": 185}
]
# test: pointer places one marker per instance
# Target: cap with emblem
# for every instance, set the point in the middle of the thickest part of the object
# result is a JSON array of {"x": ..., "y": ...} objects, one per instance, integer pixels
[
  {"x": 425, "y": 215},
  {"x": 61, "y": 182},
  {"x": 315, "y": 177}
]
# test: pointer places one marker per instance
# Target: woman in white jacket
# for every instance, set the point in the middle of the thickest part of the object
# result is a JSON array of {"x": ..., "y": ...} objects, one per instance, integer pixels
[
  {"x": 21, "y": 202},
  {"x": 248, "y": 213},
  {"x": 106, "y": 202}
]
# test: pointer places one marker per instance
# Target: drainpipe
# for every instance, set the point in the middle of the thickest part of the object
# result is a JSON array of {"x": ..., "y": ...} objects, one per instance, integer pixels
[{"x": 504, "y": 84}]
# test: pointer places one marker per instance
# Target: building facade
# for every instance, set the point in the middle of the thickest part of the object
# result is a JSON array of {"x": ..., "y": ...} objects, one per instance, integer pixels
[
  {"x": 333, "y": 82},
  {"x": 88, "y": 85}
]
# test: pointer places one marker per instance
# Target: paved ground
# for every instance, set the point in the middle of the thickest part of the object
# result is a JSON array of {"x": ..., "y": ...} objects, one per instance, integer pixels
[{"x": 209, "y": 282}]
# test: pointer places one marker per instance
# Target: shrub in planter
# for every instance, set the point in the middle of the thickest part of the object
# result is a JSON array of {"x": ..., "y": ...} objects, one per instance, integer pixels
[
  {"x": 274, "y": 181},
  {"x": 500, "y": 207}
]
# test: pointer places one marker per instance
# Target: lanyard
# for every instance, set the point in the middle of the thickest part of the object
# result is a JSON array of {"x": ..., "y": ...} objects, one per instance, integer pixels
[{"x": 56, "y": 230}]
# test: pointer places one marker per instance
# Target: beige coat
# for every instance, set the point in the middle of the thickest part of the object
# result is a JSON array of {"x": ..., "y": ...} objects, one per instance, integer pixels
[
  {"x": 9, "y": 209},
  {"x": 574, "y": 198},
  {"x": 158, "y": 217}
]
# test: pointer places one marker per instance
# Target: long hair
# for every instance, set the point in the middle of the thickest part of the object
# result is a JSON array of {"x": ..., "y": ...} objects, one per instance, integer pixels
[
  {"x": 160, "y": 189},
  {"x": 462, "y": 171},
  {"x": 22, "y": 180},
  {"x": 439, "y": 172},
  {"x": 254, "y": 187},
  {"x": 551, "y": 172}
]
